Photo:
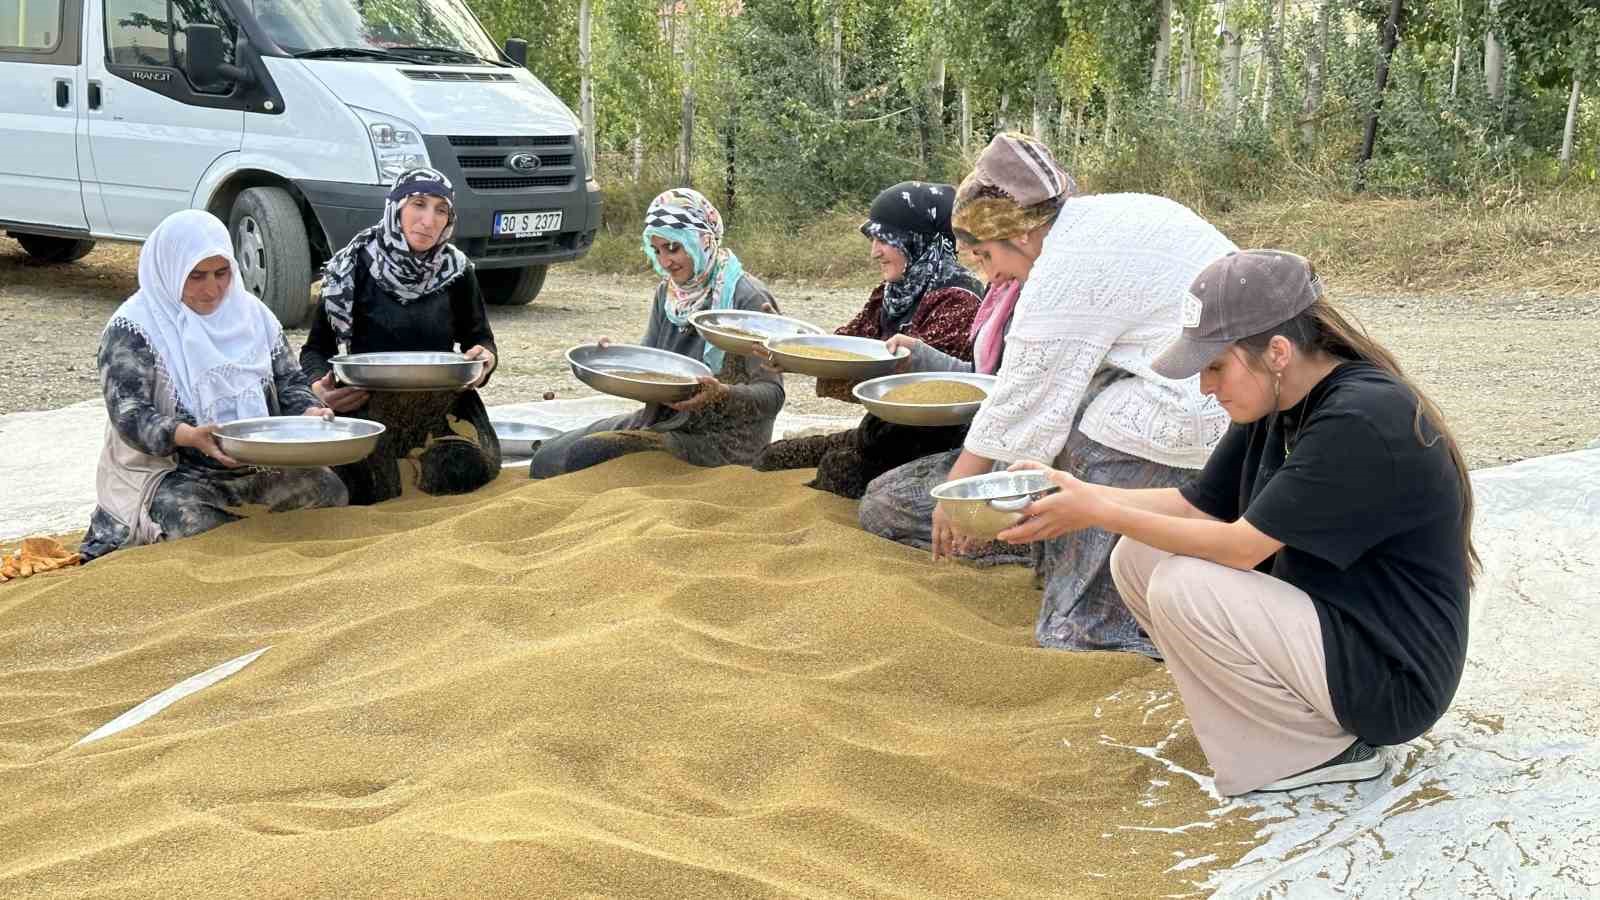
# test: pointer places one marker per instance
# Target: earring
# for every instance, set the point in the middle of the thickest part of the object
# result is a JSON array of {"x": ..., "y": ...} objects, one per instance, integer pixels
[{"x": 1277, "y": 386}]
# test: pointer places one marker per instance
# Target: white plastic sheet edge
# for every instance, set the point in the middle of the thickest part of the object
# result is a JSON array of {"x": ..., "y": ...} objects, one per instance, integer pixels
[{"x": 170, "y": 696}]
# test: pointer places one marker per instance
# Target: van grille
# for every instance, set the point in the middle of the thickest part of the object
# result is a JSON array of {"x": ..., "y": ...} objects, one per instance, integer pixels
[
  {"x": 517, "y": 184},
  {"x": 499, "y": 161},
  {"x": 473, "y": 140}
]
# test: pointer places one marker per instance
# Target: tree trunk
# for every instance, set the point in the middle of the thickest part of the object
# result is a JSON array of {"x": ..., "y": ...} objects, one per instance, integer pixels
[
  {"x": 1186, "y": 70},
  {"x": 686, "y": 137},
  {"x": 1232, "y": 58},
  {"x": 966, "y": 119},
  {"x": 1455, "y": 64},
  {"x": 1494, "y": 59},
  {"x": 1002, "y": 119},
  {"x": 1158, "y": 68},
  {"x": 1077, "y": 133},
  {"x": 1569, "y": 136},
  {"x": 638, "y": 151},
  {"x": 1391, "y": 35},
  {"x": 1042, "y": 96},
  {"x": 1109, "y": 135},
  {"x": 935, "y": 100},
  {"x": 1316, "y": 67},
  {"x": 837, "y": 61},
  {"x": 1274, "y": 61},
  {"x": 730, "y": 179},
  {"x": 586, "y": 79}
]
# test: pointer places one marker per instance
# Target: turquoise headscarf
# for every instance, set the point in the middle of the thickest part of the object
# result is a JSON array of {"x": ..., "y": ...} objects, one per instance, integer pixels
[{"x": 685, "y": 217}]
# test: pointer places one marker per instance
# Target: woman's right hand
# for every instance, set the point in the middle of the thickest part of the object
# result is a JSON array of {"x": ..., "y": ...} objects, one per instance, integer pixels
[
  {"x": 603, "y": 342},
  {"x": 204, "y": 439},
  {"x": 338, "y": 399},
  {"x": 895, "y": 342}
]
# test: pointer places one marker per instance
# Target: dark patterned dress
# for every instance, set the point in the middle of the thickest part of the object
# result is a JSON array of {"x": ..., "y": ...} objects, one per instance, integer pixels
[
  {"x": 847, "y": 460},
  {"x": 199, "y": 494},
  {"x": 443, "y": 437}
]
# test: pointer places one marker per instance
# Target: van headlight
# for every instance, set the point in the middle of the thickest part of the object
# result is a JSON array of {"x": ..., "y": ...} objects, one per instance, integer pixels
[{"x": 396, "y": 144}]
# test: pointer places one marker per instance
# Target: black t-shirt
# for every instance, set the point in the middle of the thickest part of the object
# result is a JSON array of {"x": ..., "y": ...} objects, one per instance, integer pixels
[
  {"x": 1370, "y": 520},
  {"x": 432, "y": 322}
]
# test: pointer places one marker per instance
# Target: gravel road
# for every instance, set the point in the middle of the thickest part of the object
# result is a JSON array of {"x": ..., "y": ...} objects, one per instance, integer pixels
[{"x": 1518, "y": 376}]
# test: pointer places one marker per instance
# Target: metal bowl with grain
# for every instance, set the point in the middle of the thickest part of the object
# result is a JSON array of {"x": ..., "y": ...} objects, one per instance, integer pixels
[
  {"x": 835, "y": 356},
  {"x": 298, "y": 442},
  {"x": 982, "y": 506},
  {"x": 407, "y": 371},
  {"x": 637, "y": 373},
  {"x": 742, "y": 332},
  {"x": 875, "y": 396}
]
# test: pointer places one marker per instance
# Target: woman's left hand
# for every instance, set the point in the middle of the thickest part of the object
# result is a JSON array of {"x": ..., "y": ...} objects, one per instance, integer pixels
[
  {"x": 711, "y": 391},
  {"x": 479, "y": 351},
  {"x": 1069, "y": 509}
]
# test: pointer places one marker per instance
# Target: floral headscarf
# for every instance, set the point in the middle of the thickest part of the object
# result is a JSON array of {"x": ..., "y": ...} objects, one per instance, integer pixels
[{"x": 685, "y": 217}]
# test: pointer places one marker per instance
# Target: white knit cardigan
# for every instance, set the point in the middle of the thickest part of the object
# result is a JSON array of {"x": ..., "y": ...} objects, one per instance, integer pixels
[{"x": 1107, "y": 290}]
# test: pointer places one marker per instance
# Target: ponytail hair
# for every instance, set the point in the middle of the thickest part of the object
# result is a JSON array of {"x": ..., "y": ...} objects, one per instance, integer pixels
[{"x": 1322, "y": 327}]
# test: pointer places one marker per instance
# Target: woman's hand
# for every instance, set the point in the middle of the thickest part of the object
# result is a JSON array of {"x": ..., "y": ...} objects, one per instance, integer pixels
[
  {"x": 1071, "y": 508},
  {"x": 711, "y": 391},
  {"x": 947, "y": 543},
  {"x": 338, "y": 399},
  {"x": 319, "y": 411},
  {"x": 479, "y": 351},
  {"x": 204, "y": 439},
  {"x": 602, "y": 342},
  {"x": 896, "y": 341}
]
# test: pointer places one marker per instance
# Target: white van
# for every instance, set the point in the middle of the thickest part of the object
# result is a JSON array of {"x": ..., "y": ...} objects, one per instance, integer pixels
[{"x": 287, "y": 119}]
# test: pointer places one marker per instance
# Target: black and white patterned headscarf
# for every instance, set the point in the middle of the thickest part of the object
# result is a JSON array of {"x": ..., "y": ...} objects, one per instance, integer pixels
[
  {"x": 913, "y": 217},
  {"x": 403, "y": 275}
]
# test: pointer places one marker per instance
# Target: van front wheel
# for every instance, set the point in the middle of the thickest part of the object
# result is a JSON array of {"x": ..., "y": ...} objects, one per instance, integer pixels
[
  {"x": 53, "y": 249},
  {"x": 274, "y": 253},
  {"x": 511, "y": 287}
]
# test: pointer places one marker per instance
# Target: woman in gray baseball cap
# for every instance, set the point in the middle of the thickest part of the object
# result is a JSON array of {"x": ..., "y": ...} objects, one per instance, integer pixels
[{"x": 1309, "y": 590}]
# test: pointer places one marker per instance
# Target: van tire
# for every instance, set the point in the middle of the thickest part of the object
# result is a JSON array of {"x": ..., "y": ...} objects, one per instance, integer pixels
[
  {"x": 274, "y": 252},
  {"x": 41, "y": 248},
  {"x": 512, "y": 287}
]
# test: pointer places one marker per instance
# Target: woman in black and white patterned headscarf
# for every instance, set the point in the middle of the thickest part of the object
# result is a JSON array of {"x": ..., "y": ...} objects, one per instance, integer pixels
[{"x": 401, "y": 285}]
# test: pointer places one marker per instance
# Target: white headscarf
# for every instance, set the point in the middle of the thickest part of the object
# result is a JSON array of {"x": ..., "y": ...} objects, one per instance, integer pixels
[{"x": 219, "y": 365}]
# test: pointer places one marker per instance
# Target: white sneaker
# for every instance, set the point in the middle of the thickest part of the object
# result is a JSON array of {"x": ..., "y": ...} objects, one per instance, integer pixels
[{"x": 1359, "y": 762}]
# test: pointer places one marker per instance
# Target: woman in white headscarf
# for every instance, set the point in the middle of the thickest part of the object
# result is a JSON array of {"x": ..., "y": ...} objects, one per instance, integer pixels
[{"x": 191, "y": 350}]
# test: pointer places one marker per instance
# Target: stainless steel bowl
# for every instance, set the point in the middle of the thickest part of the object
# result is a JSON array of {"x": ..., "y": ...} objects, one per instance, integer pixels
[
  {"x": 518, "y": 438},
  {"x": 606, "y": 370},
  {"x": 879, "y": 360},
  {"x": 298, "y": 442},
  {"x": 870, "y": 393},
  {"x": 982, "y": 506},
  {"x": 407, "y": 371},
  {"x": 712, "y": 325}
]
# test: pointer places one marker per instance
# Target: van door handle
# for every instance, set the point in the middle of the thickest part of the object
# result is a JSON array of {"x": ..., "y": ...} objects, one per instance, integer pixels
[
  {"x": 63, "y": 93},
  {"x": 94, "y": 95}
]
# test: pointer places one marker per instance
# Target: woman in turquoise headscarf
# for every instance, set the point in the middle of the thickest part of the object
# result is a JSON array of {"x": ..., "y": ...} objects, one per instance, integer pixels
[{"x": 729, "y": 422}]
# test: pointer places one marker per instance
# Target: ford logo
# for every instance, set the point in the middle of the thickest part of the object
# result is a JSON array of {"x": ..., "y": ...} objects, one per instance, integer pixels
[{"x": 522, "y": 162}]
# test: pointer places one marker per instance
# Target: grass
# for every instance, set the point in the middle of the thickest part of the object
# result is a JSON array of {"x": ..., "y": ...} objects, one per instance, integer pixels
[{"x": 1546, "y": 243}]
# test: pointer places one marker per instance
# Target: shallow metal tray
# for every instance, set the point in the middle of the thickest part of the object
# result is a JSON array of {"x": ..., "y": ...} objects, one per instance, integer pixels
[
  {"x": 606, "y": 370},
  {"x": 711, "y": 323},
  {"x": 298, "y": 442},
  {"x": 407, "y": 371},
  {"x": 880, "y": 362},
  {"x": 870, "y": 393}
]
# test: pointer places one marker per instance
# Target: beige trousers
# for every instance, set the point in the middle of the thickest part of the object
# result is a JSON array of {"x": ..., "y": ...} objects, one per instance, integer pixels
[{"x": 1246, "y": 652}]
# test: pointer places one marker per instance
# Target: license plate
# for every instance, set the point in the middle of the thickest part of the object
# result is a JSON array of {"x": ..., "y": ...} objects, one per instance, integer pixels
[{"x": 526, "y": 224}]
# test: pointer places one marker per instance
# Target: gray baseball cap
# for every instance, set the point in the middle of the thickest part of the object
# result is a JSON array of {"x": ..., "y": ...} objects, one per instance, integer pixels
[{"x": 1240, "y": 295}]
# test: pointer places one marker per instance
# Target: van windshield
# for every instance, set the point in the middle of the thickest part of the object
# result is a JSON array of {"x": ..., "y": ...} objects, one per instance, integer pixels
[{"x": 436, "y": 31}]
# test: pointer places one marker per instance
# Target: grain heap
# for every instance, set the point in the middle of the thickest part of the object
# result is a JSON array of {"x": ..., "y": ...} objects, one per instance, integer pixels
[
  {"x": 935, "y": 392},
  {"x": 811, "y": 351},
  {"x": 647, "y": 375},
  {"x": 644, "y": 679}
]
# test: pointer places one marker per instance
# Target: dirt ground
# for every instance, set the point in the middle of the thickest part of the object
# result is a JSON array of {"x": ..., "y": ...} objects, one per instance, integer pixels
[{"x": 1518, "y": 376}]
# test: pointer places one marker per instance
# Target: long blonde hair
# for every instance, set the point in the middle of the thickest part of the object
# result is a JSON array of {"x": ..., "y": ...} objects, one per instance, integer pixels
[{"x": 1322, "y": 327}]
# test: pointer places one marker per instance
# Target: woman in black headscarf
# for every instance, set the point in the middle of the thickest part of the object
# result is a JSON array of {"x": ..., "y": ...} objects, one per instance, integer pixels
[
  {"x": 401, "y": 285},
  {"x": 925, "y": 294}
]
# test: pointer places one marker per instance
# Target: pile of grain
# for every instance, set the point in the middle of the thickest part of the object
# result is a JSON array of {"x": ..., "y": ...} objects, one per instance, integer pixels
[
  {"x": 647, "y": 375},
  {"x": 644, "y": 679},
  {"x": 935, "y": 392},
  {"x": 811, "y": 351}
]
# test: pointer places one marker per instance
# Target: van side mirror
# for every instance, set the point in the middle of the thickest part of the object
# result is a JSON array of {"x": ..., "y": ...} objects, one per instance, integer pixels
[
  {"x": 517, "y": 51},
  {"x": 204, "y": 53}
]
